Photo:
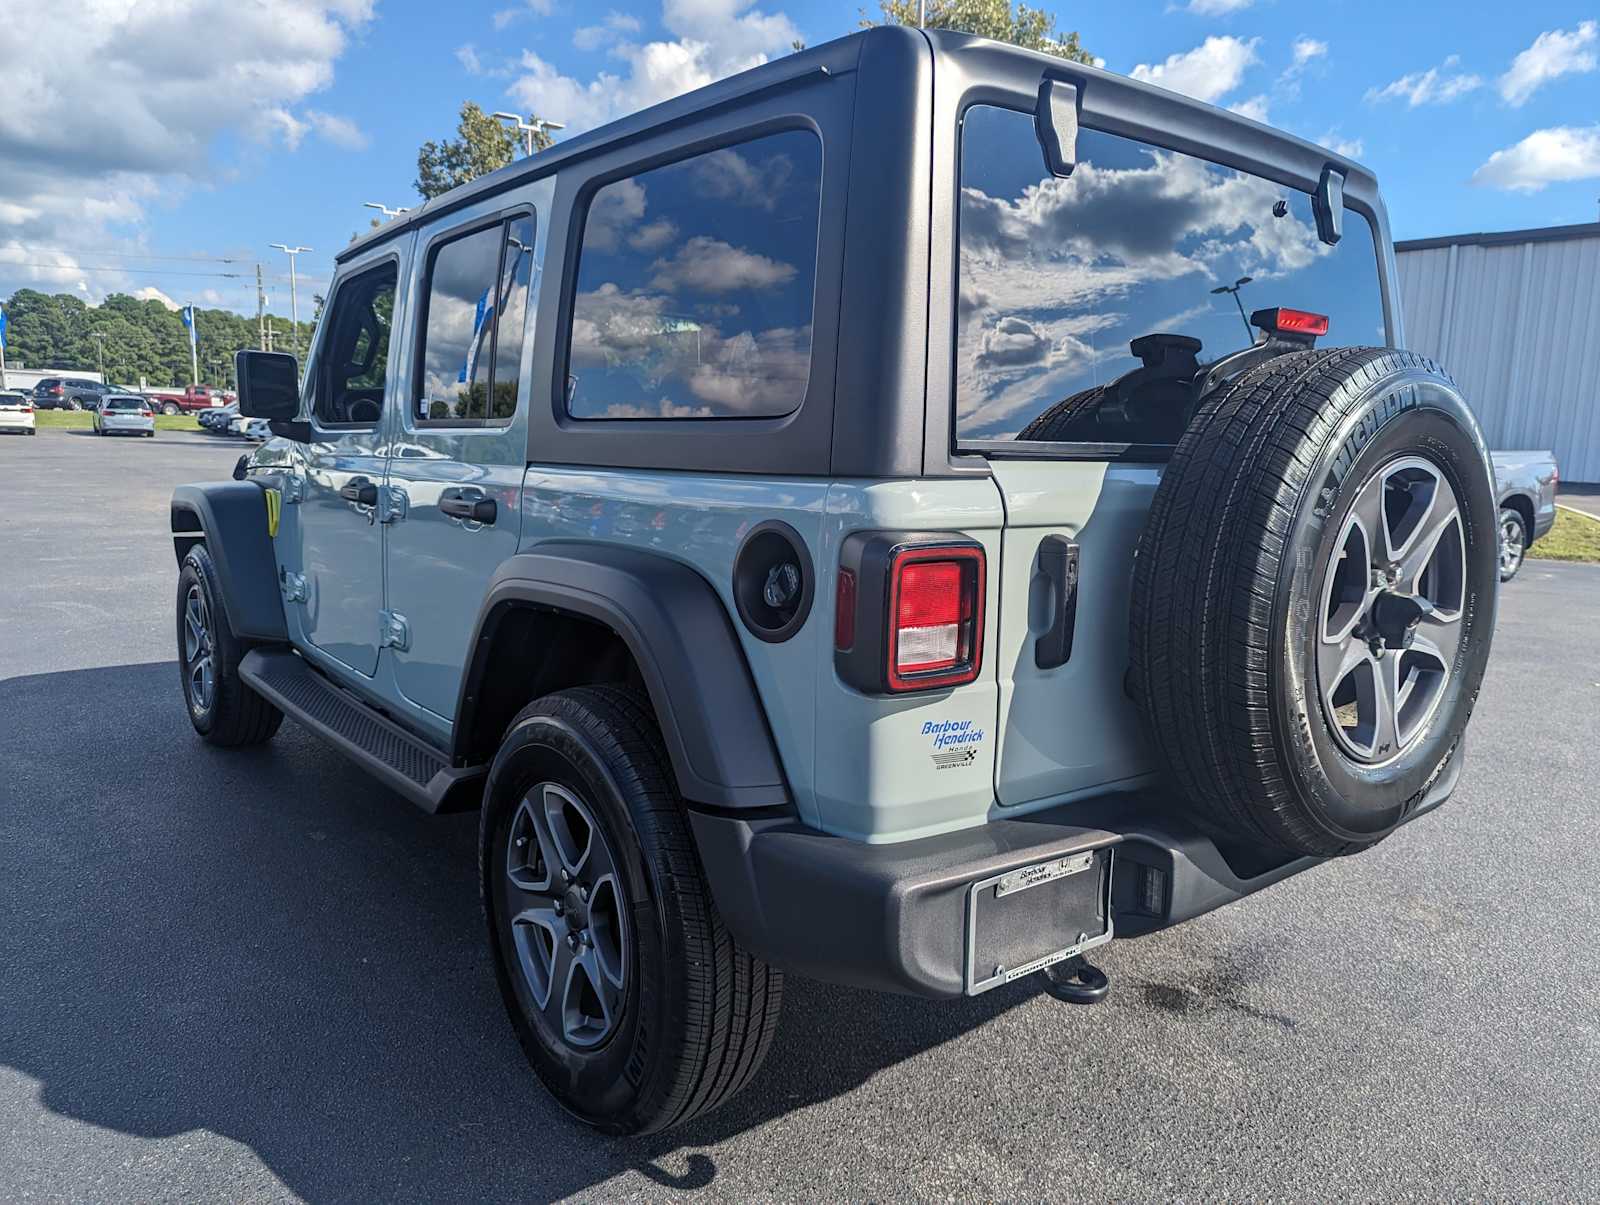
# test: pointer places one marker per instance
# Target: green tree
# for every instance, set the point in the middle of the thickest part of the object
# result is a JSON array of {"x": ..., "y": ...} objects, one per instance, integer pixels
[
  {"x": 143, "y": 339},
  {"x": 1030, "y": 28},
  {"x": 481, "y": 145}
]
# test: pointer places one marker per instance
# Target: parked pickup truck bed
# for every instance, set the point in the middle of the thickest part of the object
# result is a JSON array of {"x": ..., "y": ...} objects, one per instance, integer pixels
[{"x": 195, "y": 397}]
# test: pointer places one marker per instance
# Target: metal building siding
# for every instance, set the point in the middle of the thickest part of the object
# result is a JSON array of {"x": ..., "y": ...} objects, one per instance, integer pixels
[{"x": 1518, "y": 325}]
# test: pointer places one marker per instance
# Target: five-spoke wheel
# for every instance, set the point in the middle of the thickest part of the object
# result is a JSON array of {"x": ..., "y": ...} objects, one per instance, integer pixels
[
  {"x": 568, "y": 918},
  {"x": 1392, "y": 608},
  {"x": 198, "y": 650}
]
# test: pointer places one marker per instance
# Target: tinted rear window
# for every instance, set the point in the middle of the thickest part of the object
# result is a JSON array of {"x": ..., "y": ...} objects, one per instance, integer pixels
[
  {"x": 695, "y": 286},
  {"x": 123, "y": 403},
  {"x": 1058, "y": 275}
]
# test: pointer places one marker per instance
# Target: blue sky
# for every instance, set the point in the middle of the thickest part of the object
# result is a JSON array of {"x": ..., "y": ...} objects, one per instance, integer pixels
[{"x": 217, "y": 127}]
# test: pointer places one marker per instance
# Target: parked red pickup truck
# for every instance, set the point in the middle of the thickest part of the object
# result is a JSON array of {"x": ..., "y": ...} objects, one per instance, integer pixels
[{"x": 195, "y": 397}]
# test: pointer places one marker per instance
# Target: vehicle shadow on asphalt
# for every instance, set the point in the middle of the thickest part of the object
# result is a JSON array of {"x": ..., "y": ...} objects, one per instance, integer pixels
[{"x": 267, "y": 945}]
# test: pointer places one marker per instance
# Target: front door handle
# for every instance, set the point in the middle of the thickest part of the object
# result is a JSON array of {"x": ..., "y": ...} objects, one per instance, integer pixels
[
  {"x": 360, "y": 491},
  {"x": 472, "y": 509}
]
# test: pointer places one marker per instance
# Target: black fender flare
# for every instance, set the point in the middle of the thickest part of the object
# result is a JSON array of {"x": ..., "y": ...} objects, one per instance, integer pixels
[
  {"x": 231, "y": 518},
  {"x": 679, "y": 633}
]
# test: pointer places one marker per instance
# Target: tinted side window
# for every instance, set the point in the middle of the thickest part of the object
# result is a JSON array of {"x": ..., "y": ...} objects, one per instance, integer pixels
[
  {"x": 695, "y": 286},
  {"x": 473, "y": 324},
  {"x": 352, "y": 360},
  {"x": 1058, "y": 275}
]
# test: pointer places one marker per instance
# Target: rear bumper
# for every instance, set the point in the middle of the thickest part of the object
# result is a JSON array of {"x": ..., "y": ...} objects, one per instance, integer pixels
[{"x": 893, "y": 917}]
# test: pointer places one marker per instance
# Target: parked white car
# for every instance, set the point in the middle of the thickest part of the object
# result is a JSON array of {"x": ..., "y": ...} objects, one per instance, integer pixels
[
  {"x": 258, "y": 429},
  {"x": 16, "y": 413},
  {"x": 125, "y": 414},
  {"x": 238, "y": 424}
]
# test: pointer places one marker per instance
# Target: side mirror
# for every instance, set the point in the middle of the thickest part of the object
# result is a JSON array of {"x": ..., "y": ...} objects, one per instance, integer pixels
[
  {"x": 269, "y": 384},
  {"x": 269, "y": 388}
]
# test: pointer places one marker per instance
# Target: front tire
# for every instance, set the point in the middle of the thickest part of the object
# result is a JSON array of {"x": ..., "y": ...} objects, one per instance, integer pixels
[
  {"x": 1513, "y": 542},
  {"x": 634, "y": 1005},
  {"x": 222, "y": 707}
]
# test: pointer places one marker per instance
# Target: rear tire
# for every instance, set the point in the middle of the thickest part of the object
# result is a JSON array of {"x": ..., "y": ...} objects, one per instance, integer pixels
[
  {"x": 222, "y": 707},
  {"x": 1314, "y": 597},
  {"x": 169, "y": 408},
  {"x": 672, "y": 1017}
]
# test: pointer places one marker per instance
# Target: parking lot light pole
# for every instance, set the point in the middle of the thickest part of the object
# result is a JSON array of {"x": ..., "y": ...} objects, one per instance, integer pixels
[
  {"x": 529, "y": 127},
  {"x": 384, "y": 209},
  {"x": 1234, "y": 289},
  {"x": 99, "y": 338},
  {"x": 294, "y": 300}
]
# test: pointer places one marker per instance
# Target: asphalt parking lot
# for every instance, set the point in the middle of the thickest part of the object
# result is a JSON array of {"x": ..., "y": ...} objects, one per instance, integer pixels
[{"x": 259, "y": 976}]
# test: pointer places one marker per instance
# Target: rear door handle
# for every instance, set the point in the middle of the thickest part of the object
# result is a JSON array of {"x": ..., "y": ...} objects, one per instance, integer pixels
[
  {"x": 1058, "y": 562},
  {"x": 473, "y": 509},
  {"x": 360, "y": 491}
]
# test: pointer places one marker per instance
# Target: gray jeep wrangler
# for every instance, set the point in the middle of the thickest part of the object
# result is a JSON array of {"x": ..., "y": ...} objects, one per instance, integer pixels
[{"x": 849, "y": 521}]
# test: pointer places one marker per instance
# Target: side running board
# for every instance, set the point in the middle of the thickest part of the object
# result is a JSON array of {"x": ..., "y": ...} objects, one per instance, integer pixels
[{"x": 388, "y": 752}]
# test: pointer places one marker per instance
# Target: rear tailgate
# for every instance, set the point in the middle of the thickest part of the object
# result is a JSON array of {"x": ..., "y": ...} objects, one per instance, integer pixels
[{"x": 1068, "y": 727}]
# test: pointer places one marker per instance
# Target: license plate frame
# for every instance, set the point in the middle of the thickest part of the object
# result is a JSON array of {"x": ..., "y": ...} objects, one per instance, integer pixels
[{"x": 1066, "y": 900}]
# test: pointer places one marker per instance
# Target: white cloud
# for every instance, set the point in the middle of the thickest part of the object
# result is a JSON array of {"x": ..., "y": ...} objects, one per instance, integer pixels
[
  {"x": 151, "y": 293},
  {"x": 1255, "y": 108},
  {"x": 711, "y": 39},
  {"x": 1437, "y": 85},
  {"x": 467, "y": 56},
  {"x": 1208, "y": 72},
  {"x": 653, "y": 236},
  {"x": 78, "y": 163},
  {"x": 616, "y": 25},
  {"x": 708, "y": 266},
  {"x": 340, "y": 131},
  {"x": 1554, "y": 53},
  {"x": 528, "y": 8},
  {"x": 1305, "y": 49},
  {"x": 1544, "y": 157},
  {"x": 1218, "y": 8},
  {"x": 1350, "y": 148}
]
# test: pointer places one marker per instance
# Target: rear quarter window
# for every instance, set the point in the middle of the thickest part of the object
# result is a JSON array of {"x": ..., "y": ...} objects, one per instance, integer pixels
[
  {"x": 695, "y": 286},
  {"x": 1059, "y": 274}
]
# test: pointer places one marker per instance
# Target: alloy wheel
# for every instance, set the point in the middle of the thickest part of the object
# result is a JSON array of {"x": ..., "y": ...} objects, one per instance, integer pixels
[
  {"x": 1511, "y": 545},
  {"x": 567, "y": 915},
  {"x": 198, "y": 650},
  {"x": 1391, "y": 619}
]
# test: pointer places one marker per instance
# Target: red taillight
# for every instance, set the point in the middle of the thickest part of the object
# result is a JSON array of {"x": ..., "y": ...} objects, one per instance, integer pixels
[
  {"x": 844, "y": 612},
  {"x": 145, "y": 414},
  {"x": 1290, "y": 322},
  {"x": 936, "y": 617},
  {"x": 27, "y": 410},
  {"x": 56, "y": 391}
]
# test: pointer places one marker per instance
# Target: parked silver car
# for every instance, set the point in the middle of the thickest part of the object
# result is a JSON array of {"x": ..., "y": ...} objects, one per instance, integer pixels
[{"x": 125, "y": 414}]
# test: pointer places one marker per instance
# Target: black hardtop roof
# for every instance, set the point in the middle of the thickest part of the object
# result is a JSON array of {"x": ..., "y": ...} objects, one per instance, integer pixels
[{"x": 837, "y": 57}]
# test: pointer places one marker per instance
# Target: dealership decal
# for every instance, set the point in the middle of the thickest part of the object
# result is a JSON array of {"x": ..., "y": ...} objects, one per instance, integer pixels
[{"x": 955, "y": 742}]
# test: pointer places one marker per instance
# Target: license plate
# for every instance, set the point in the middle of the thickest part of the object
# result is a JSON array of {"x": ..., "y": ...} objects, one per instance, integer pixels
[{"x": 1030, "y": 918}]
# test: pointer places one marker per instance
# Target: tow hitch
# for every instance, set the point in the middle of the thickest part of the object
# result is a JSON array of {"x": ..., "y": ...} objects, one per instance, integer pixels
[{"x": 1077, "y": 981}]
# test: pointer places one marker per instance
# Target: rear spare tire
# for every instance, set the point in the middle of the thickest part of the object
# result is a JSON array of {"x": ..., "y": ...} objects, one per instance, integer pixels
[{"x": 1314, "y": 596}]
